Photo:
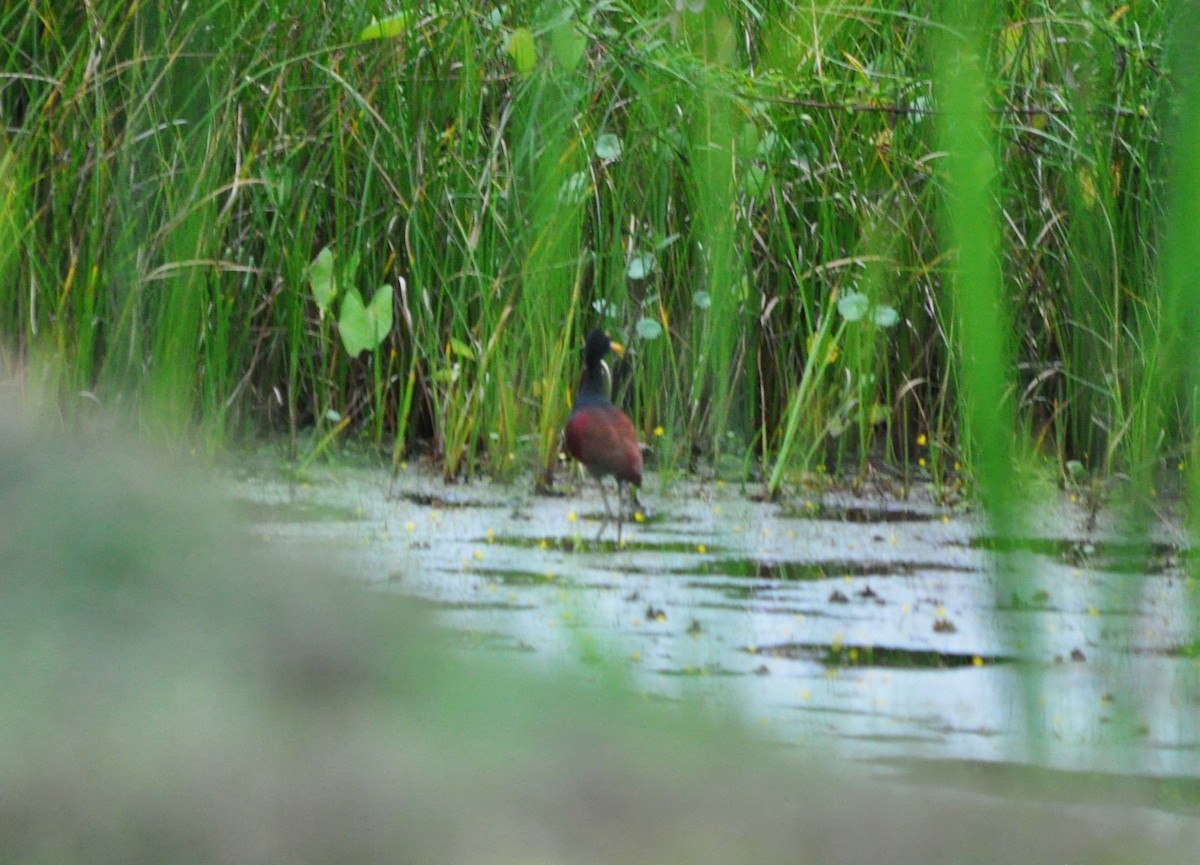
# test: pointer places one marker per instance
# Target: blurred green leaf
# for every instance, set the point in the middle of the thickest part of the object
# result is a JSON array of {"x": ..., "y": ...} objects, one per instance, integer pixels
[
  {"x": 608, "y": 147},
  {"x": 606, "y": 308},
  {"x": 649, "y": 328},
  {"x": 640, "y": 266},
  {"x": 523, "y": 50},
  {"x": 322, "y": 281},
  {"x": 853, "y": 305},
  {"x": 567, "y": 45},
  {"x": 364, "y": 327},
  {"x": 461, "y": 349},
  {"x": 885, "y": 316},
  {"x": 754, "y": 181},
  {"x": 387, "y": 28}
]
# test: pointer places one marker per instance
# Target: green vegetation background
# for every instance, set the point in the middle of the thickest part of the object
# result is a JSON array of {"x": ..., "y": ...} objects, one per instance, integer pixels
[{"x": 828, "y": 231}]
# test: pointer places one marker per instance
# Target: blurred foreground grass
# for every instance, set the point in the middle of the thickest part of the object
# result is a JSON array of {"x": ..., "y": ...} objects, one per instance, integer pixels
[{"x": 168, "y": 694}]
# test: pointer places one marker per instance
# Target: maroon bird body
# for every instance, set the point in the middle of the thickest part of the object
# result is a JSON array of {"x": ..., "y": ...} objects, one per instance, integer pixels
[{"x": 599, "y": 434}]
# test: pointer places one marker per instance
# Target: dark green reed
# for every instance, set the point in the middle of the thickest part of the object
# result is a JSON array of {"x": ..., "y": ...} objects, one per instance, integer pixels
[{"x": 749, "y": 196}]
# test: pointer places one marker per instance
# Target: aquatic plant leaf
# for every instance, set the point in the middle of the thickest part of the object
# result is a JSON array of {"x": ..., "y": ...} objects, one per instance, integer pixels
[
  {"x": 523, "y": 50},
  {"x": 567, "y": 45},
  {"x": 321, "y": 280},
  {"x": 460, "y": 348},
  {"x": 853, "y": 305},
  {"x": 364, "y": 327},
  {"x": 606, "y": 308},
  {"x": 387, "y": 28},
  {"x": 640, "y": 266},
  {"x": 754, "y": 181},
  {"x": 608, "y": 147},
  {"x": 649, "y": 328},
  {"x": 885, "y": 316}
]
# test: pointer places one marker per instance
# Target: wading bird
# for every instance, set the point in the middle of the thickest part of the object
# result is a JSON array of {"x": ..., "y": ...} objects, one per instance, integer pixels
[{"x": 599, "y": 434}]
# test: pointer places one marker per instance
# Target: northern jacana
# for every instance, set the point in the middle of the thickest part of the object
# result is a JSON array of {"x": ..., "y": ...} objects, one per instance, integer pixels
[{"x": 599, "y": 434}]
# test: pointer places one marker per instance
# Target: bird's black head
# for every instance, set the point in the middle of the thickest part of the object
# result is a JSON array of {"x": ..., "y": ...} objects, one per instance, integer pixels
[{"x": 597, "y": 346}]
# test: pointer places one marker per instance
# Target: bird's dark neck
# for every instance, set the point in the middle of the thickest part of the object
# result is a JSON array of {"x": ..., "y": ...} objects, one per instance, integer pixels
[{"x": 591, "y": 387}]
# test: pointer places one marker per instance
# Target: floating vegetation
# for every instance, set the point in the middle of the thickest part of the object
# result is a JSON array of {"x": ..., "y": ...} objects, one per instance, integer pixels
[
  {"x": 882, "y": 512},
  {"x": 1113, "y": 555},
  {"x": 807, "y": 571},
  {"x": 876, "y": 656}
]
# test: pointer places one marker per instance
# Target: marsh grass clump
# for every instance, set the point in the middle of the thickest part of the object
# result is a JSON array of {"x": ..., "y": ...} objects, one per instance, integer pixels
[{"x": 364, "y": 223}]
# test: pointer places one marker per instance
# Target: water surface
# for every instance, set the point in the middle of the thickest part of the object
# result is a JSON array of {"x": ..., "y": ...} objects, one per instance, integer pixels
[{"x": 864, "y": 626}]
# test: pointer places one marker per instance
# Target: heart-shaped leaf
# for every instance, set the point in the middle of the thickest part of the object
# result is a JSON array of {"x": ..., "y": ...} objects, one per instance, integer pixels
[
  {"x": 567, "y": 45},
  {"x": 364, "y": 327}
]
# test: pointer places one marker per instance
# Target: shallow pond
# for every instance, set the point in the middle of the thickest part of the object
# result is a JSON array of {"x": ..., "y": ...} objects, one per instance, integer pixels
[{"x": 865, "y": 627}]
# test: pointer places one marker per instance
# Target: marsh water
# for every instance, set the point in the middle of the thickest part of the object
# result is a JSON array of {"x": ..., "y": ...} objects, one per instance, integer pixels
[{"x": 867, "y": 626}]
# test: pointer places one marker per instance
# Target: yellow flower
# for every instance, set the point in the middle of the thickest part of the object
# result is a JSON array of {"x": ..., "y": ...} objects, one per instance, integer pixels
[
  {"x": 659, "y": 432},
  {"x": 921, "y": 440}
]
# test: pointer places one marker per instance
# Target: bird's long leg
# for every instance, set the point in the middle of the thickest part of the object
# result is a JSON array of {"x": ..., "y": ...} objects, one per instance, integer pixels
[
  {"x": 607, "y": 511},
  {"x": 620, "y": 512}
]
